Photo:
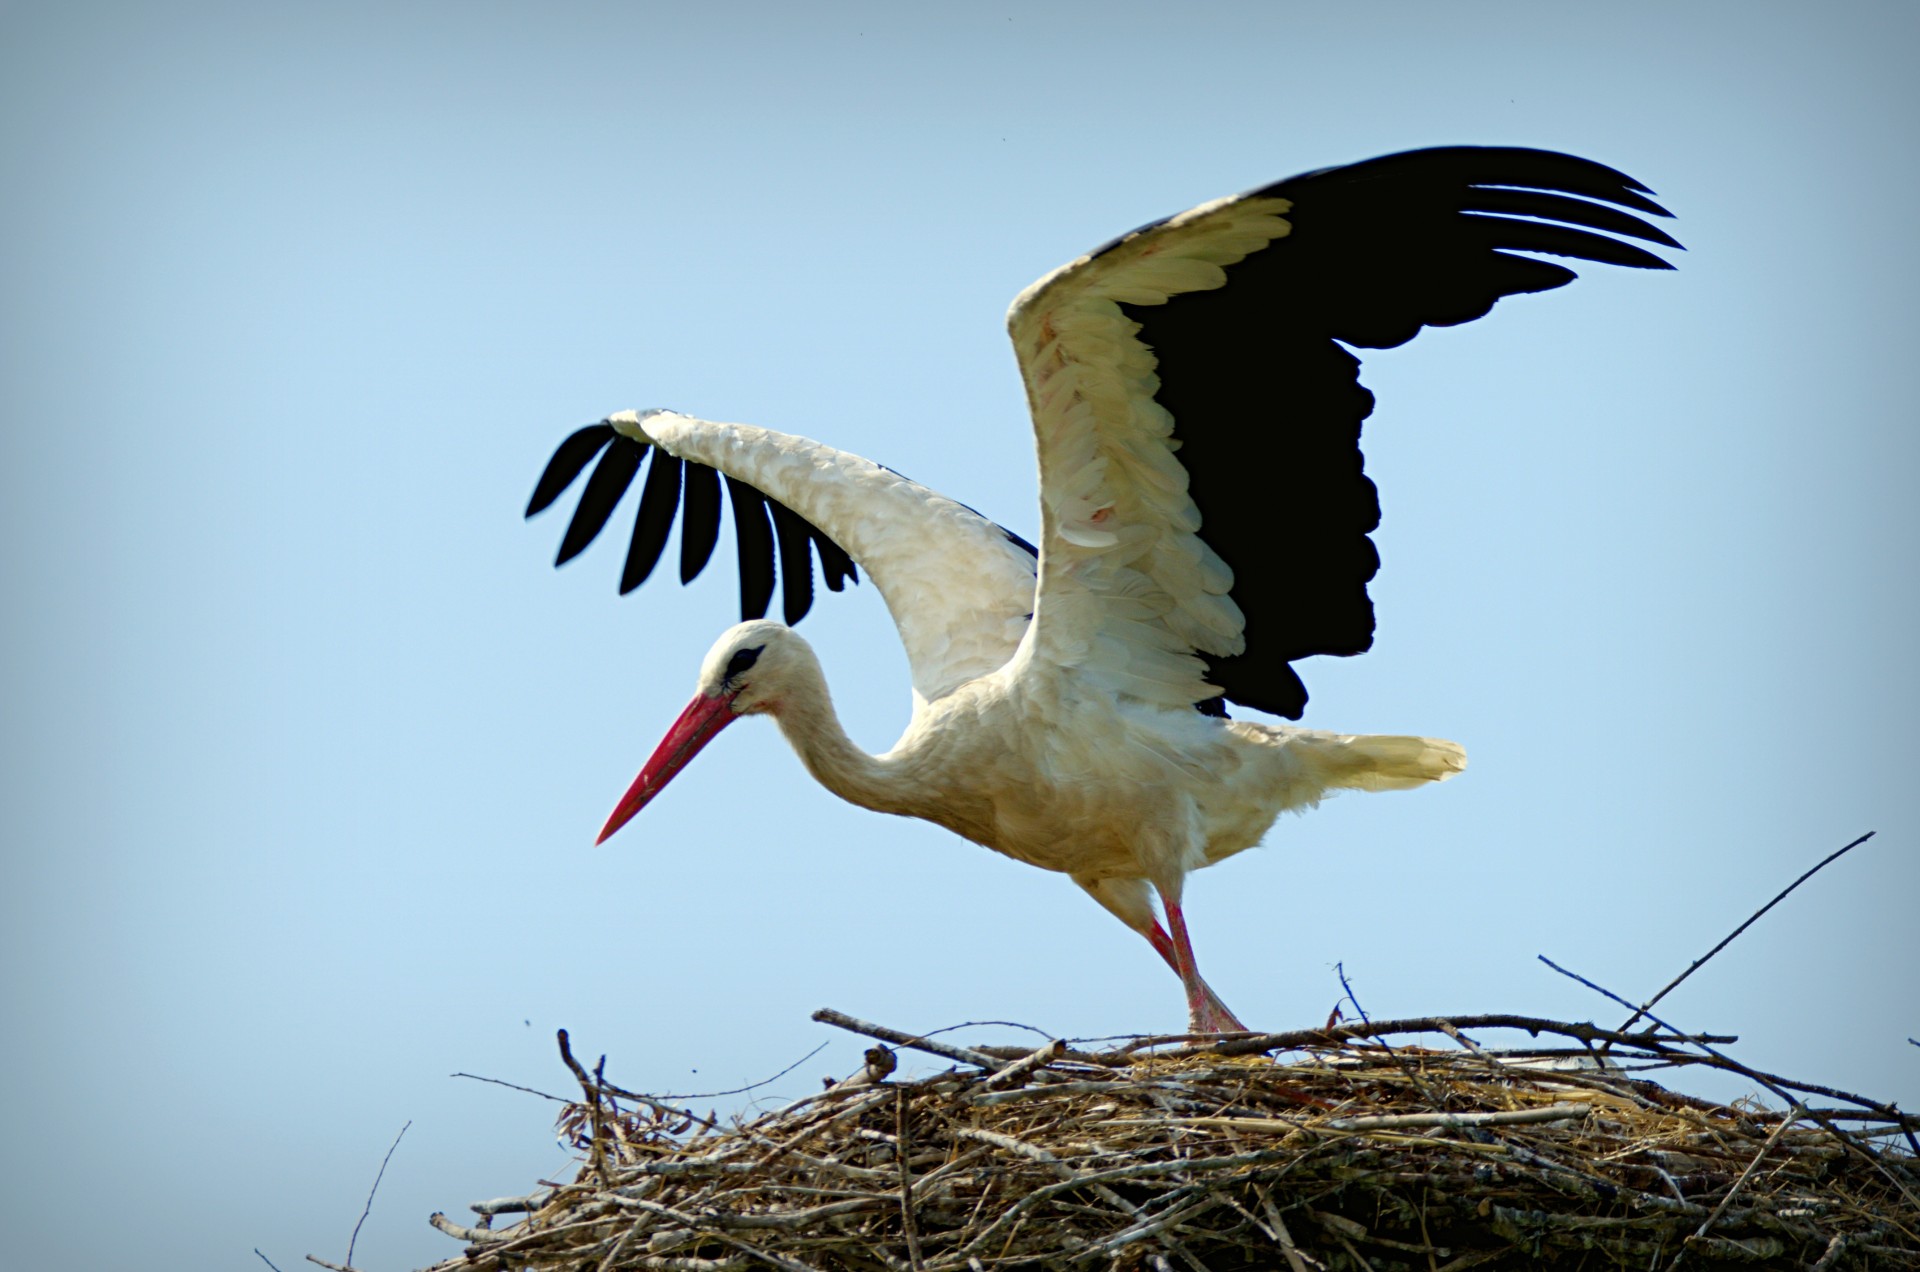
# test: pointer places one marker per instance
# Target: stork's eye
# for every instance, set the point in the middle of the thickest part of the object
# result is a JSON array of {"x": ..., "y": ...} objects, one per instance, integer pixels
[{"x": 742, "y": 660}]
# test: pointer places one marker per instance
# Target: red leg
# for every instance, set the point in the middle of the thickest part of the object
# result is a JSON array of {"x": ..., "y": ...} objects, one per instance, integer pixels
[
  {"x": 1163, "y": 945},
  {"x": 1205, "y": 1012}
]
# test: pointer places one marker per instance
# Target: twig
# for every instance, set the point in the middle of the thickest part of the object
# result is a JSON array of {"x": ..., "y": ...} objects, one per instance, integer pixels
[
  {"x": 1339, "y": 1034},
  {"x": 965, "y": 1055},
  {"x": 368, "y": 1209},
  {"x": 512, "y": 1205},
  {"x": 460, "y": 1232},
  {"x": 981, "y": 1024},
  {"x": 1509, "y": 1117},
  {"x": 751, "y": 1086},
  {"x": 597, "y": 1144},
  {"x": 1836, "y": 1246},
  {"x": 1296, "y": 1260},
  {"x": 557, "y": 1099},
  {"x": 1413, "y": 1073},
  {"x": 1038, "y": 1059},
  {"x": 900, "y": 1153},
  {"x": 1721, "y": 1209},
  {"x": 1728, "y": 938},
  {"x": 264, "y": 1259},
  {"x": 335, "y": 1267},
  {"x": 1757, "y": 1076},
  {"x": 693, "y": 1224},
  {"x": 612, "y": 1091},
  {"x": 879, "y": 1063}
]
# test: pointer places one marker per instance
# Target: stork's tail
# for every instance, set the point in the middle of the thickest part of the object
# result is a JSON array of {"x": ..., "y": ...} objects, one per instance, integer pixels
[{"x": 1379, "y": 762}]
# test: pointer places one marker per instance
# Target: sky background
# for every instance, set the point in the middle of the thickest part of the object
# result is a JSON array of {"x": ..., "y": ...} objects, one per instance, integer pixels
[{"x": 306, "y": 743}]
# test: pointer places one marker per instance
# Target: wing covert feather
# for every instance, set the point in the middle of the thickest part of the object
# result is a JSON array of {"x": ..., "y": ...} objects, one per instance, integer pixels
[
  {"x": 1197, "y": 411},
  {"x": 959, "y": 591}
]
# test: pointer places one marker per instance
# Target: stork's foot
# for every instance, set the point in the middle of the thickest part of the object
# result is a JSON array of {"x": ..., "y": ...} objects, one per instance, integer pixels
[{"x": 1207, "y": 1014}]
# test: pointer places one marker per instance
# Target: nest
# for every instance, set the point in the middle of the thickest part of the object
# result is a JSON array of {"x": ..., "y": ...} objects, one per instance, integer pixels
[{"x": 1341, "y": 1148}]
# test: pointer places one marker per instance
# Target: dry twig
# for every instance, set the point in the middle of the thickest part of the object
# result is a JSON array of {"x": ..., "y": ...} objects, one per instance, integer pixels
[{"x": 1726, "y": 940}]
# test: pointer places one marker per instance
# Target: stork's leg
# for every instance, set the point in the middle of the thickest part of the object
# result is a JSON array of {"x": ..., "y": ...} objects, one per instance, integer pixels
[
  {"x": 1205, "y": 1012},
  {"x": 1129, "y": 901}
]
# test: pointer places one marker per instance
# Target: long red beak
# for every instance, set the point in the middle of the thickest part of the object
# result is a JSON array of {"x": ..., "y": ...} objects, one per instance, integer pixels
[{"x": 698, "y": 725}]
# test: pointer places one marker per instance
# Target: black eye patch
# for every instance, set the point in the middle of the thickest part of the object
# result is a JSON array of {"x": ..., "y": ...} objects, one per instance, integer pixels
[{"x": 742, "y": 660}]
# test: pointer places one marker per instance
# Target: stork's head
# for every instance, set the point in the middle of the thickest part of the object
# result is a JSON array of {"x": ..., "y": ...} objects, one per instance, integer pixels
[{"x": 746, "y": 671}]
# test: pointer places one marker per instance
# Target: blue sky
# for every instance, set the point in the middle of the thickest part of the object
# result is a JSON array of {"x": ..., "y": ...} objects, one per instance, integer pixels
[{"x": 306, "y": 742}]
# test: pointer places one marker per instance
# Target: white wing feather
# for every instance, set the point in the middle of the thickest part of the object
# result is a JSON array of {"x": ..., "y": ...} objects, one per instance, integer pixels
[
  {"x": 1128, "y": 592},
  {"x": 960, "y": 593}
]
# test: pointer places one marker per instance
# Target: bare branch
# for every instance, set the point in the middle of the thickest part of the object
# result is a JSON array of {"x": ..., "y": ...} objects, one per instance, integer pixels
[
  {"x": 965, "y": 1055},
  {"x": 1728, "y": 938},
  {"x": 368, "y": 1209},
  {"x": 1793, "y": 1116},
  {"x": 751, "y": 1086},
  {"x": 557, "y": 1099},
  {"x": 1763, "y": 1079}
]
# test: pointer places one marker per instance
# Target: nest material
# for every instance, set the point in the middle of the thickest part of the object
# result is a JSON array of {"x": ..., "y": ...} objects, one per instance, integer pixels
[{"x": 1345, "y": 1148}]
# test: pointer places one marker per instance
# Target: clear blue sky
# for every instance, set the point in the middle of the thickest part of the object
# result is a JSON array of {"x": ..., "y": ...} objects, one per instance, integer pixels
[{"x": 306, "y": 742}]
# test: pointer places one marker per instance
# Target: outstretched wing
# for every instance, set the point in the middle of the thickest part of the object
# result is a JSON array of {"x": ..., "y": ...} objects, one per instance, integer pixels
[
  {"x": 960, "y": 588},
  {"x": 1204, "y": 505}
]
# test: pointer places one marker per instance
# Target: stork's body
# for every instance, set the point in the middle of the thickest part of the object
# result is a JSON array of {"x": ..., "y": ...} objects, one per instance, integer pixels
[{"x": 1055, "y": 689}]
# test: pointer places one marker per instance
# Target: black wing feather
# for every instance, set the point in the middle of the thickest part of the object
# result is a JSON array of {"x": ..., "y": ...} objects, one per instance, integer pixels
[
  {"x": 836, "y": 567},
  {"x": 753, "y": 535},
  {"x": 1559, "y": 207},
  {"x": 700, "y": 528},
  {"x": 793, "y": 534},
  {"x": 610, "y": 479},
  {"x": 566, "y": 464},
  {"x": 762, "y": 526},
  {"x": 659, "y": 500},
  {"x": 1268, "y": 405}
]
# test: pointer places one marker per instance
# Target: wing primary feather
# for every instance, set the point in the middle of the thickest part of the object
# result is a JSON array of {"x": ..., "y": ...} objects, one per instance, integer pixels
[
  {"x": 659, "y": 500},
  {"x": 1483, "y": 166},
  {"x": 700, "y": 527},
  {"x": 609, "y": 480},
  {"x": 836, "y": 566},
  {"x": 568, "y": 459},
  {"x": 1546, "y": 206},
  {"x": 793, "y": 534},
  {"x": 753, "y": 537},
  {"x": 1259, "y": 378},
  {"x": 1561, "y": 240}
]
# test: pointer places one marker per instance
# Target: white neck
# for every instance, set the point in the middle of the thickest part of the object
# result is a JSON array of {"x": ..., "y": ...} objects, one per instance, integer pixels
[{"x": 805, "y": 714}]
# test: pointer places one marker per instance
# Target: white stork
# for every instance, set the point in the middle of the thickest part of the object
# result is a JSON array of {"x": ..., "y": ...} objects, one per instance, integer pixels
[{"x": 1204, "y": 525}]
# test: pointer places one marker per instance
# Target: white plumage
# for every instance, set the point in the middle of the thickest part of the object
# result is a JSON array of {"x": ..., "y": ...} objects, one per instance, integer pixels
[{"x": 1204, "y": 521}]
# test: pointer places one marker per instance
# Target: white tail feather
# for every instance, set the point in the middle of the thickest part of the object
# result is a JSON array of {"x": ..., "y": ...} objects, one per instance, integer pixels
[{"x": 1378, "y": 762}]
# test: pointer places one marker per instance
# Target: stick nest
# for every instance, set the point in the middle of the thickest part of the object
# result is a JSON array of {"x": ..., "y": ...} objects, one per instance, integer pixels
[{"x": 1343, "y": 1148}]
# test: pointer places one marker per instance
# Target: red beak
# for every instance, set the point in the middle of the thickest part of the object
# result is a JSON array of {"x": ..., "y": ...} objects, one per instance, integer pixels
[{"x": 698, "y": 725}]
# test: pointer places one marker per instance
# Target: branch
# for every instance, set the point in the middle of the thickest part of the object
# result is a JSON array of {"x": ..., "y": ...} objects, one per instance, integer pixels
[
  {"x": 514, "y": 1085},
  {"x": 376, "y": 1188},
  {"x": 1721, "y": 1209},
  {"x": 901, "y": 1152},
  {"x": 1413, "y": 1074},
  {"x": 965, "y": 1055},
  {"x": 1536, "y": 1025},
  {"x": 751, "y": 1086},
  {"x": 1729, "y": 1062},
  {"x": 1025, "y": 1066},
  {"x": 1726, "y": 940},
  {"x": 596, "y": 1147}
]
